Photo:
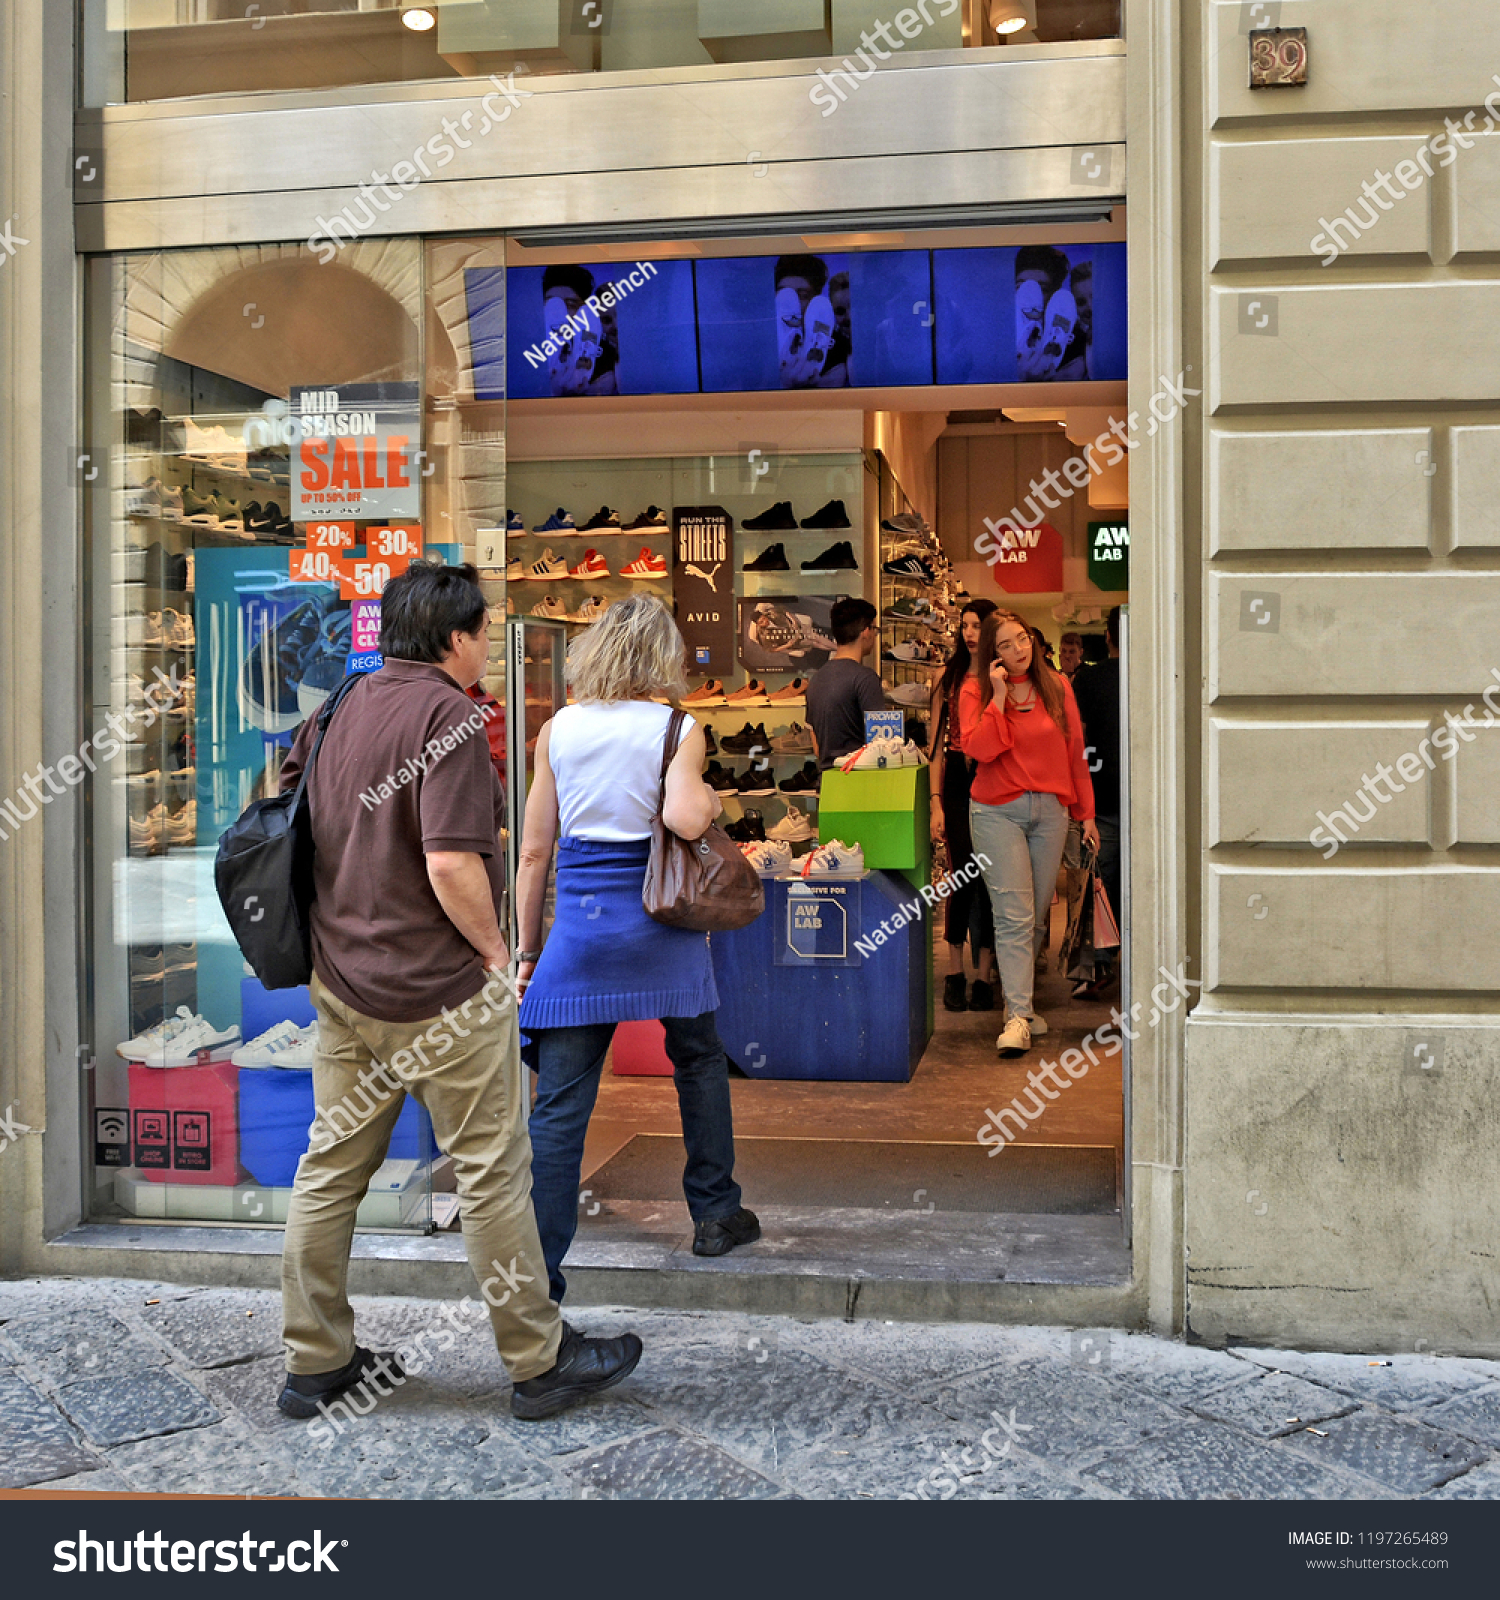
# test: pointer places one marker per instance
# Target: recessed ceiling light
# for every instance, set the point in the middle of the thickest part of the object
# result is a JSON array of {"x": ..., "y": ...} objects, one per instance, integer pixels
[
  {"x": 1011, "y": 16},
  {"x": 420, "y": 19}
]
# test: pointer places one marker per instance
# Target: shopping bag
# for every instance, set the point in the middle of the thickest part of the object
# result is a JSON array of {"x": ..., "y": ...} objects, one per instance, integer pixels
[{"x": 1106, "y": 929}]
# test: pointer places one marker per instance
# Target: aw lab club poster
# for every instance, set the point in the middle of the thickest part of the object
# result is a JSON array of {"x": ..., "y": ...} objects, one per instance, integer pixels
[{"x": 703, "y": 579}]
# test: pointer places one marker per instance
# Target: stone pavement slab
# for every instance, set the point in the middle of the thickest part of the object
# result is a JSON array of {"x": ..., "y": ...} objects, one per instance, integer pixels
[
  {"x": 1274, "y": 1404},
  {"x": 38, "y": 1444},
  {"x": 218, "y": 1327},
  {"x": 1475, "y": 1415},
  {"x": 1402, "y": 1455},
  {"x": 79, "y": 1344},
  {"x": 134, "y": 1405},
  {"x": 1395, "y": 1382},
  {"x": 669, "y": 1465},
  {"x": 224, "y": 1458},
  {"x": 1177, "y": 1373}
]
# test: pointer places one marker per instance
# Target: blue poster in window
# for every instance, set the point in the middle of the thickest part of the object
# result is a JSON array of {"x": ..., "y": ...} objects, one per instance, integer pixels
[{"x": 817, "y": 922}]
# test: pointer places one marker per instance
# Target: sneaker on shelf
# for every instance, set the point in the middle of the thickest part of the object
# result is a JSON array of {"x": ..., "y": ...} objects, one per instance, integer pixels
[
  {"x": 143, "y": 629},
  {"x": 753, "y": 694},
  {"x": 645, "y": 565},
  {"x": 912, "y": 756},
  {"x": 1014, "y": 1038},
  {"x": 231, "y": 514},
  {"x": 904, "y": 522},
  {"x": 551, "y": 608},
  {"x": 138, "y": 1048},
  {"x": 834, "y": 859},
  {"x": 794, "y": 742},
  {"x": 603, "y": 520},
  {"x": 710, "y": 744},
  {"x": 201, "y": 510},
  {"x": 914, "y": 606},
  {"x": 593, "y": 565},
  {"x": 790, "y": 694},
  {"x": 750, "y": 739},
  {"x": 285, "y": 1045},
  {"x": 794, "y": 828},
  {"x": 144, "y": 501},
  {"x": 559, "y": 522},
  {"x": 182, "y": 828},
  {"x": 171, "y": 503},
  {"x": 749, "y": 828},
  {"x": 771, "y": 854},
  {"x": 907, "y": 650},
  {"x": 771, "y": 559},
  {"x": 196, "y": 1042},
  {"x": 148, "y": 834},
  {"x": 836, "y": 558},
  {"x": 832, "y": 515},
  {"x": 706, "y": 694},
  {"x": 909, "y": 694},
  {"x": 753, "y": 782},
  {"x": 652, "y": 520},
  {"x": 779, "y": 519},
  {"x": 881, "y": 753},
  {"x": 515, "y": 522},
  {"x": 909, "y": 567},
  {"x": 593, "y": 608},
  {"x": 803, "y": 782},
  {"x": 177, "y": 630},
  {"x": 719, "y": 778},
  {"x": 547, "y": 568}
]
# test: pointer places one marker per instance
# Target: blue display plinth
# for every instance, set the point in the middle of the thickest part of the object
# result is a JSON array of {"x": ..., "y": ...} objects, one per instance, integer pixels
[{"x": 806, "y": 992}]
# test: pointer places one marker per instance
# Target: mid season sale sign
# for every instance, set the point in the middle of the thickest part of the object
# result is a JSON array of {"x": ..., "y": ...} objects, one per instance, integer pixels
[{"x": 357, "y": 456}]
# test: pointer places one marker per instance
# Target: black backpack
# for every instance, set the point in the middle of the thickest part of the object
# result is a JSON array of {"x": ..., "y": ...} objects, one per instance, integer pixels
[{"x": 264, "y": 874}]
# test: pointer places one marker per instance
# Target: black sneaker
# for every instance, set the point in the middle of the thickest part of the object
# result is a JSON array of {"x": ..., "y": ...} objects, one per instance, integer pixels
[
  {"x": 304, "y": 1392},
  {"x": 982, "y": 996},
  {"x": 804, "y": 782},
  {"x": 652, "y": 520},
  {"x": 832, "y": 515},
  {"x": 777, "y": 519},
  {"x": 771, "y": 559},
  {"x": 602, "y": 518},
  {"x": 710, "y": 744},
  {"x": 954, "y": 993},
  {"x": 720, "y": 1235},
  {"x": 753, "y": 782},
  {"x": 836, "y": 558},
  {"x": 721, "y": 779},
  {"x": 909, "y": 567},
  {"x": 750, "y": 829},
  {"x": 583, "y": 1367},
  {"x": 747, "y": 741}
]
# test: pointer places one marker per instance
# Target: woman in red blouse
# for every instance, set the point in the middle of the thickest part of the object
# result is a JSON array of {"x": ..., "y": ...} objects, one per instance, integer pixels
[{"x": 1018, "y": 721}]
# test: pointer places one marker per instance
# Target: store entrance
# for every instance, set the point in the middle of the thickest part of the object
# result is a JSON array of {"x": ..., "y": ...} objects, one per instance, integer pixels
[{"x": 877, "y": 1132}]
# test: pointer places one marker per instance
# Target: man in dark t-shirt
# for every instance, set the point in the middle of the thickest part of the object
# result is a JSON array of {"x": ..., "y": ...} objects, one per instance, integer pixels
[
  {"x": 1096, "y": 688},
  {"x": 839, "y": 694},
  {"x": 410, "y": 986}
]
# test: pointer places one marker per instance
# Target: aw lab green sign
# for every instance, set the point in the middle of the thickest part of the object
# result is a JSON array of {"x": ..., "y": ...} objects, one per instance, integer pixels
[{"x": 1109, "y": 555}]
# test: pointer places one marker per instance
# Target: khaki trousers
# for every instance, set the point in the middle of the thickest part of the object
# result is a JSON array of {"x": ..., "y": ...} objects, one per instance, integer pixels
[{"x": 475, "y": 1092}]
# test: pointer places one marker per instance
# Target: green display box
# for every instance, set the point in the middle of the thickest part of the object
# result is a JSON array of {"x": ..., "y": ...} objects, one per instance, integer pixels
[{"x": 883, "y": 811}]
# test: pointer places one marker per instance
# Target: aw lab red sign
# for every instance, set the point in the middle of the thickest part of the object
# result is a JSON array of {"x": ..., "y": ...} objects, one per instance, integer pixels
[
  {"x": 1026, "y": 560},
  {"x": 354, "y": 453}
]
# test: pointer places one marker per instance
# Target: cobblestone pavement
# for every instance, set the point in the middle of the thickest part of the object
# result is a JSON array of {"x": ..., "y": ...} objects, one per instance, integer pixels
[{"x": 114, "y": 1384}]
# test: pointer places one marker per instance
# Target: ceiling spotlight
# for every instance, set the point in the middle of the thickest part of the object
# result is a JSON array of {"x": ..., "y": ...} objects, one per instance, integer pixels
[
  {"x": 1011, "y": 16},
  {"x": 420, "y": 18}
]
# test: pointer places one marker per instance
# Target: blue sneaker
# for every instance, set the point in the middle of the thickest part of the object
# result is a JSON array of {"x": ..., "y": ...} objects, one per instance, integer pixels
[
  {"x": 559, "y": 522},
  {"x": 514, "y": 522}
]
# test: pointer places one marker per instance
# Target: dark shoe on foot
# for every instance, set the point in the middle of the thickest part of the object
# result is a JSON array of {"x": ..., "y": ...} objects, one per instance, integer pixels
[
  {"x": 982, "y": 997},
  {"x": 720, "y": 1235},
  {"x": 953, "y": 993},
  {"x": 305, "y": 1391},
  {"x": 583, "y": 1367}
]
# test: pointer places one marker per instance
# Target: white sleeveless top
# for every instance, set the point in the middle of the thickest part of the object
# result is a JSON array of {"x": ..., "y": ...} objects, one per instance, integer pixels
[{"x": 606, "y": 761}]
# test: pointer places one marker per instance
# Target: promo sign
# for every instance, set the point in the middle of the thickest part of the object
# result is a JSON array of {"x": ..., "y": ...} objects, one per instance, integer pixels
[
  {"x": 1109, "y": 555},
  {"x": 357, "y": 453},
  {"x": 1028, "y": 560},
  {"x": 703, "y": 578}
]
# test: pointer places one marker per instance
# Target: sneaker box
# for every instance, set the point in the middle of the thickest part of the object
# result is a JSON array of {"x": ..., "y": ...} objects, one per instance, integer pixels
[
  {"x": 399, "y": 1197},
  {"x": 639, "y": 1050},
  {"x": 276, "y": 1113},
  {"x": 859, "y": 1016},
  {"x": 884, "y": 812},
  {"x": 184, "y": 1123}
]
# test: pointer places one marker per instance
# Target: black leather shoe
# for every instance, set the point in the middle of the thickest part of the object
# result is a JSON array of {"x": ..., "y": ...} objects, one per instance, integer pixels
[
  {"x": 953, "y": 993},
  {"x": 982, "y": 996},
  {"x": 720, "y": 1235},
  {"x": 305, "y": 1390},
  {"x": 583, "y": 1367}
]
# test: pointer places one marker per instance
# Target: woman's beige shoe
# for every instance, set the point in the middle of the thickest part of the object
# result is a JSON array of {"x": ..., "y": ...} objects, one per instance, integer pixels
[{"x": 1015, "y": 1037}]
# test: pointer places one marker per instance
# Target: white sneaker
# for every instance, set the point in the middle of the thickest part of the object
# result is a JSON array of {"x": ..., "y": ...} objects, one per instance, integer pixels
[
  {"x": 881, "y": 752},
  {"x": 794, "y": 828},
  {"x": 138, "y": 1048},
  {"x": 834, "y": 859},
  {"x": 912, "y": 756},
  {"x": 177, "y": 630},
  {"x": 547, "y": 567},
  {"x": 593, "y": 608},
  {"x": 769, "y": 855},
  {"x": 1038, "y": 1026},
  {"x": 1015, "y": 1037},
  {"x": 551, "y": 607},
  {"x": 909, "y": 694},
  {"x": 195, "y": 1043},
  {"x": 143, "y": 629},
  {"x": 286, "y": 1045}
]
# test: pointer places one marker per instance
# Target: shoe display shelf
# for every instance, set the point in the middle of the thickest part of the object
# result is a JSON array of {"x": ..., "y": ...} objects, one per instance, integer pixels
[{"x": 904, "y": 531}]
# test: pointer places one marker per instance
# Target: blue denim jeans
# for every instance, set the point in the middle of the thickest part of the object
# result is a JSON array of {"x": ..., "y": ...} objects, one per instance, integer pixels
[
  {"x": 1024, "y": 842},
  {"x": 569, "y": 1061}
]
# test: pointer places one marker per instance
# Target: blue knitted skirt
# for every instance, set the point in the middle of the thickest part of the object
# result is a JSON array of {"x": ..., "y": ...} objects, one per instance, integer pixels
[{"x": 605, "y": 960}]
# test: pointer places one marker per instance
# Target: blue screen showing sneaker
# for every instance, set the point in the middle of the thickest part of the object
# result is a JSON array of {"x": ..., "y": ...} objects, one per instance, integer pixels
[
  {"x": 1030, "y": 314},
  {"x": 829, "y": 321},
  {"x": 616, "y": 328}
]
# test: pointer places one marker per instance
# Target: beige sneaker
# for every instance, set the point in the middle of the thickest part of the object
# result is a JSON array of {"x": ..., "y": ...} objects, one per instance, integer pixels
[
  {"x": 1015, "y": 1037},
  {"x": 1038, "y": 1026}
]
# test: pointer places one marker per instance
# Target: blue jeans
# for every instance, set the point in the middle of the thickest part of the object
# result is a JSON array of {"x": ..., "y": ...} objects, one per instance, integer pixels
[
  {"x": 569, "y": 1061},
  {"x": 1024, "y": 842}
]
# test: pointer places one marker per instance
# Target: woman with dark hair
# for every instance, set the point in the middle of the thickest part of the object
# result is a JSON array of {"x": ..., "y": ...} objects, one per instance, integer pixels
[
  {"x": 968, "y": 914},
  {"x": 1019, "y": 722}
]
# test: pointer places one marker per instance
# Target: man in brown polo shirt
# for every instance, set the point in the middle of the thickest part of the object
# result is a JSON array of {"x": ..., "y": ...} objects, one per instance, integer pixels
[{"x": 411, "y": 994}]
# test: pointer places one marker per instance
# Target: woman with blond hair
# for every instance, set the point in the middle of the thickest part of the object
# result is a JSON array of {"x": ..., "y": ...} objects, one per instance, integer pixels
[
  {"x": 1019, "y": 723},
  {"x": 595, "y": 791}
]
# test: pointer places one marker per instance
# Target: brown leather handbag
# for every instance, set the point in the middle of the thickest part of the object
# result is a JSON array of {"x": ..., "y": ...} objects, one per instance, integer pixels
[{"x": 704, "y": 884}]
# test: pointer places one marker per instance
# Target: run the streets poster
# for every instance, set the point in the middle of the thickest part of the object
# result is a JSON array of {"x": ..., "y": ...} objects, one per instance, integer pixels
[{"x": 703, "y": 579}]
